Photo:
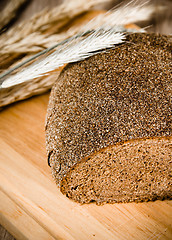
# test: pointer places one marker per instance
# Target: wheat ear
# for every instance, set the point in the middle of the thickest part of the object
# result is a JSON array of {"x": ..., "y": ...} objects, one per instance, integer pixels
[
  {"x": 36, "y": 85},
  {"x": 131, "y": 10},
  {"x": 42, "y": 21},
  {"x": 69, "y": 52}
]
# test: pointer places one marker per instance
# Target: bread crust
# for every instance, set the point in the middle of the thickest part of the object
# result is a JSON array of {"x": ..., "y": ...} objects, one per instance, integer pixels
[{"x": 118, "y": 95}]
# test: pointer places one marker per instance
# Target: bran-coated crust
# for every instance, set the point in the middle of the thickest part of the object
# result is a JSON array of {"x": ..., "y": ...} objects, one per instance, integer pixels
[{"x": 118, "y": 95}]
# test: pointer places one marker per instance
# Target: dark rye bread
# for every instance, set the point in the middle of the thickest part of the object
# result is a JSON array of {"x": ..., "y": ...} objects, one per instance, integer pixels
[{"x": 108, "y": 127}]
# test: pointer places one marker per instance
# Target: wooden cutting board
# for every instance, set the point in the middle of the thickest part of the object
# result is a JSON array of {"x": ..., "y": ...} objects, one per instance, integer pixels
[{"x": 31, "y": 205}]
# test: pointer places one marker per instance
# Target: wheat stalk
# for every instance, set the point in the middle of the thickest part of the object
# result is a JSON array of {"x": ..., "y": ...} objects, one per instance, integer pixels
[
  {"x": 75, "y": 51},
  {"x": 9, "y": 12},
  {"x": 33, "y": 36},
  {"x": 24, "y": 91},
  {"x": 30, "y": 43},
  {"x": 133, "y": 12},
  {"x": 42, "y": 21},
  {"x": 34, "y": 41},
  {"x": 72, "y": 51}
]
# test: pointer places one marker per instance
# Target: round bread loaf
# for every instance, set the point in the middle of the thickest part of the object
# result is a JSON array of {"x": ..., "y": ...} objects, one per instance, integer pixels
[{"x": 108, "y": 126}]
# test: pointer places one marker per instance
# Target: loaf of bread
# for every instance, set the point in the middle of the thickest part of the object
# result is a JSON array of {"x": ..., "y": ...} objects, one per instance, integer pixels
[{"x": 108, "y": 126}]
